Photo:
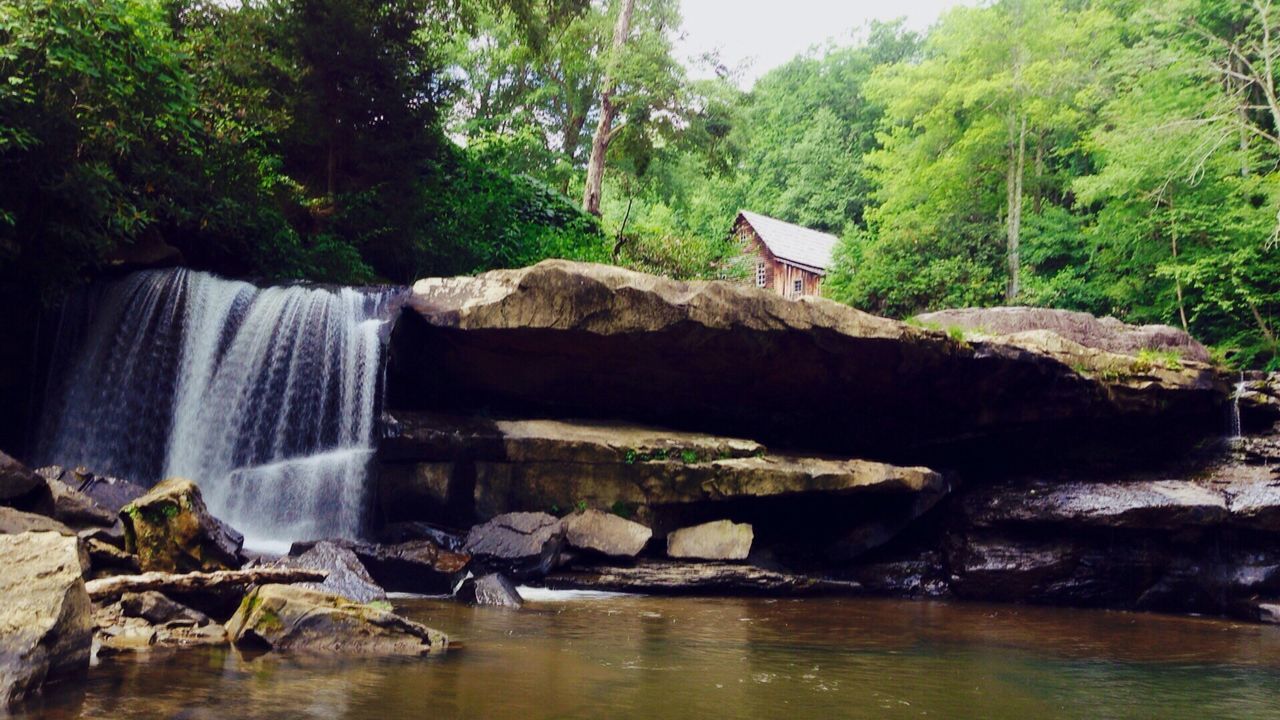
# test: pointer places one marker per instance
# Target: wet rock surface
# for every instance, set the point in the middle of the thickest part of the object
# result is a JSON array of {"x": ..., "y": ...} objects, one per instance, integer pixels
[
  {"x": 493, "y": 590},
  {"x": 292, "y": 619},
  {"x": 416, "y": 566},
  {"x": 45, "y": 625},
  {"x": 347, "y": 575}
]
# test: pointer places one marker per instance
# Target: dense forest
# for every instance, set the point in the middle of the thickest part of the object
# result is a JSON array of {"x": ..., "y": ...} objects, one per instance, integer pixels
[{"x": 1115, "y": 156}]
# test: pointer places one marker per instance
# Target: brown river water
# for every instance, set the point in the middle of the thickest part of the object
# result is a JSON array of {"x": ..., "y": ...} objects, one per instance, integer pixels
[{"x": 635, "y": 657}]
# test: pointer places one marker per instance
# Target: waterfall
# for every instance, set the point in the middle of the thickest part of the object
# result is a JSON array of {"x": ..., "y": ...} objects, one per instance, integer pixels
[
  {"x": 1236, "y": 430},
  {"x": 264, "y": 396}
]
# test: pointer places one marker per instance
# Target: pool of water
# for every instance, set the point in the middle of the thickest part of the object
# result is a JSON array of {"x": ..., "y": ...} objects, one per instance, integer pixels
[{"x": 635, "y": 657}]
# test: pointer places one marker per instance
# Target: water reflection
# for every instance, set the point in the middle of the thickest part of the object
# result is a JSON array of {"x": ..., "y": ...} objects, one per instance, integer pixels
[{"x": 630, "y": 657}]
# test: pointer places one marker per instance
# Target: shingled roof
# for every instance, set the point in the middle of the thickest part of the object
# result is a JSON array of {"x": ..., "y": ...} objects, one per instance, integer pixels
[{"x": 793, "y": 243}]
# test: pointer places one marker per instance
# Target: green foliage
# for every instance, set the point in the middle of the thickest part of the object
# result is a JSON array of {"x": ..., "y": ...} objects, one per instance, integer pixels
[{"x": 1130, "y": 150}]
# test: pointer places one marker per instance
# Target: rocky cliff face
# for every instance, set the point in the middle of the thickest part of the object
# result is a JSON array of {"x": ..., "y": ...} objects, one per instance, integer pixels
[
  {"x": 563, "y": 339},
  {"x": 1003, "y": 454}
]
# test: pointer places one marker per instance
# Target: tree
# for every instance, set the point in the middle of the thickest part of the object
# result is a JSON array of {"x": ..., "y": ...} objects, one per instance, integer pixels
[{"x": 982, "y": 120}]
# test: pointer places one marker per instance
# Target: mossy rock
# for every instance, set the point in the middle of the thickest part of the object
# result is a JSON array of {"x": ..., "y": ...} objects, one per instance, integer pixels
[
  {"x": 171, "y": 530},
  {"x": 290, "y": 618}
]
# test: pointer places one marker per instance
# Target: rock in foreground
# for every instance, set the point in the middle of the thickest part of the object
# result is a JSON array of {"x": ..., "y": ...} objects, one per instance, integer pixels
[
  {"x": 294, "y": 619},
  {"x": 46, "y": 628},
  {"x": 171, "y": 530}
]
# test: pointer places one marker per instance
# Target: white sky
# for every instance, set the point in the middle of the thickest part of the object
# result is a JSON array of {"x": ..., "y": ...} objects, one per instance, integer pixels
[{"x": 767, "y": 33}]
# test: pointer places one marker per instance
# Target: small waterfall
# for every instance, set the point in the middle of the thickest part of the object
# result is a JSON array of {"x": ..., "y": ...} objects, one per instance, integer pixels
[
  {"x": 1236, "y": 430},
  {"x": 263, "y": 396}
]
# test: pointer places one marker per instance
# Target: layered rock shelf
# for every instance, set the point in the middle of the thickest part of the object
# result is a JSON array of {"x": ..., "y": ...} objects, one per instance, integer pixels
[{"x": 563, "y": 339}]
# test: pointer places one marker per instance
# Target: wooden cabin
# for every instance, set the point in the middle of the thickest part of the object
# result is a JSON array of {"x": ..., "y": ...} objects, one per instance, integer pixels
[{"x": 790, "y": 260}]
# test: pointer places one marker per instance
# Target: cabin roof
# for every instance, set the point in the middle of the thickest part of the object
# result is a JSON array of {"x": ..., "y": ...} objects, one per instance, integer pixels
[{"x": 792, "y": 243}]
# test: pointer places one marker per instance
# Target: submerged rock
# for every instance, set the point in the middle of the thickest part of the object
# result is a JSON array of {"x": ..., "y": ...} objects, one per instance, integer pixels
[
  {"x": 664, "y": 577},
  {"x": 171, "y": 530},
  {"x": 493, "y": 589},
  {"x": 294, "y": 619},
  {"x": 45, "y": 626},
  {"x": 416, "y": 566},
  {"x": 718, "y": 540},
  {"x": 525, "y": 544},
  {"x": 347, "y": 575},
  {"x": 605, "y": 533}
]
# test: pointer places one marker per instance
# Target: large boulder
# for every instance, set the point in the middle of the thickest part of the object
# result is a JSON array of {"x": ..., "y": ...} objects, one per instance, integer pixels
[
  {"x": 414, "y": 566},
  {"x": 46, "y": 628},
  {"x": 347, "y": 575},
  {"x": 295, "y": 619},
  {"x": 717, "y": 540},
  {"x": 732, "y": 359},
  {"x": 171, "y": 530},
  {"x": 605, "y": 533},
  {"x": 522, "y": 544},
  {"x": 1106, "y": 333}
]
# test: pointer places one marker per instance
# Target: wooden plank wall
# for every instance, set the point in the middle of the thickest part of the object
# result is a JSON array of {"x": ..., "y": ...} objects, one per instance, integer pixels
[{"x": 779, "y": 276}]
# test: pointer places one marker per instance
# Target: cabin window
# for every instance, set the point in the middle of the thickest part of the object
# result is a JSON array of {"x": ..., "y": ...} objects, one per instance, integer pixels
[
  {"x": 760, "y": 274},
  {"x": 800, "y": 287}
]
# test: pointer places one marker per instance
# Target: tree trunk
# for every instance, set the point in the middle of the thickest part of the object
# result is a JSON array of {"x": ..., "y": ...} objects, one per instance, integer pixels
[
  {"x": 1177, "y": 282},
  {"x": 1013, "y": 186},
  {"x": 604, "y": 129},
  {"x": 228, "y": 581}
]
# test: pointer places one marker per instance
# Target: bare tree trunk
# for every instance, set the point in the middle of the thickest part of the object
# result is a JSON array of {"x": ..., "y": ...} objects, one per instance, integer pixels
[
  {"x": 608, "y": 111},
  {"x": 1013, "y": 187},
  {"x": 1177, "y": 282}
]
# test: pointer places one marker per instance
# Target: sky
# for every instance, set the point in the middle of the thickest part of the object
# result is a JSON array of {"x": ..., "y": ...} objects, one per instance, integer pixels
[{"x": 767, "y": 33}]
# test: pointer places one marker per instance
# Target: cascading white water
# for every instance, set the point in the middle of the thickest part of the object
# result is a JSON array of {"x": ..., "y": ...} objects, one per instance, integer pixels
[
  {"x": 264, "y": 396},
  {"x": 1236, "y": 429}
]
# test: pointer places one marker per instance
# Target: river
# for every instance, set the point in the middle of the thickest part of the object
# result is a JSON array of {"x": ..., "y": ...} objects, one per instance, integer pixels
[{"x": 636, "y": 657}]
